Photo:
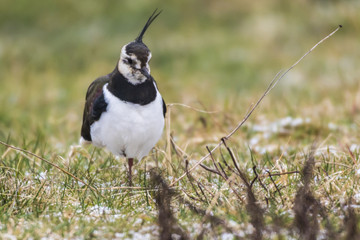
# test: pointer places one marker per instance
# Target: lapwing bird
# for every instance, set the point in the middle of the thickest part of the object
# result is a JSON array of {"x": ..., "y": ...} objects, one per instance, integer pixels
[{"x": 124, "y": 111}]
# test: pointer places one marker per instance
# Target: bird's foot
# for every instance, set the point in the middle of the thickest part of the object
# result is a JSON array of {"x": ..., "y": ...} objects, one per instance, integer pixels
[{"x": 130, "y": 163}]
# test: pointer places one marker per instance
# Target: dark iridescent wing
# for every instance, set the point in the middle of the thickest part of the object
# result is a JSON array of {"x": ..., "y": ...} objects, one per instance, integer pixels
[
  {"x": 164, "y": 107},
  {"x": 164, "y": 104},
  {"x": 95, "y": 104}
]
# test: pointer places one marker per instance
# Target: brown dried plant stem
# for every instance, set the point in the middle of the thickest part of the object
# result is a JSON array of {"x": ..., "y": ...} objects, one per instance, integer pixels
[{"x": 272, "y": 84}]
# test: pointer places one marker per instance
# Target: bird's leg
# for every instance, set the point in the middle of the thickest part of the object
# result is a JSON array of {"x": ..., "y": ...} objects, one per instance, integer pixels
[{"x": 130, "y": 163}]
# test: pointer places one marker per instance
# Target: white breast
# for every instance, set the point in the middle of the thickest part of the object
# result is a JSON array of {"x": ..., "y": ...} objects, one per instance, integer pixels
[{"x": 128, "y": 129}]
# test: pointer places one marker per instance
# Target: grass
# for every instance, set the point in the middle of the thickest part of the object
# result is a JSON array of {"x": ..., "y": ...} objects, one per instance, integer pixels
[{"x": 218, "y": 57}]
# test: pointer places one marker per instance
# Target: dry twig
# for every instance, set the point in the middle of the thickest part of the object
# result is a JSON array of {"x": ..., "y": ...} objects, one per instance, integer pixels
[{"x": 272, "y": 84}]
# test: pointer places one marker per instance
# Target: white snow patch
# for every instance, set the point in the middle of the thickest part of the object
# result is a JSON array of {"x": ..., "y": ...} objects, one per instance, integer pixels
[
  {"x": 282, "y": 125},
  {"x": 8, "y": 236},
  {"x": 357, "y": 197},
  {"x": 227, "y": 236},
  {"x": 267, "y": 129},
  {"x": 119, "y": 235},
  {"x": 355, "y": 148},
  {"x": 332, "y": 126},
  {"x": 357, "y": 172},
  {"x": 327, "y": 149}
]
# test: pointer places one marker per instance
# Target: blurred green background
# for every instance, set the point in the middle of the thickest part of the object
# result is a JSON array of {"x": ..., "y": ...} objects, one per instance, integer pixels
[{"x": 208, "y": 54}]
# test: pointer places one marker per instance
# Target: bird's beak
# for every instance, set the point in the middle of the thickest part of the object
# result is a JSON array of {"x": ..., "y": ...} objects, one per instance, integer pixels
[{"x": 145, "y": 72}]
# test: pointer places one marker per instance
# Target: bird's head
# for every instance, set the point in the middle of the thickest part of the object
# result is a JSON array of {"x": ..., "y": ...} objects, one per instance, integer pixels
[{"x": 135, "y": 56}]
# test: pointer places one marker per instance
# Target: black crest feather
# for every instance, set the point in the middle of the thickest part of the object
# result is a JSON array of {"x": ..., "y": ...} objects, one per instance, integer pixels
[{"x": 149, "y": 21}]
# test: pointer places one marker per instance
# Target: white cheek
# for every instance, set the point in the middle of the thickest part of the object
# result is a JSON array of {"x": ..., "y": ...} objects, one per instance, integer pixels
[
  {"x": 124, "y": 69},
  {"x": 147, "y": 64},
  {"x": 135, "y": 77},
  {"x": 138, "y": 65}
]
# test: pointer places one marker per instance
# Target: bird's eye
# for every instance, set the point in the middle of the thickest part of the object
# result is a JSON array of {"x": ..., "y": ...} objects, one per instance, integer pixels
[{"x": 129, "y": 60}]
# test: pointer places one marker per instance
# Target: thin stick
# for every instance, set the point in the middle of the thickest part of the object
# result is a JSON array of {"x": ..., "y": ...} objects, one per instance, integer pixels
[
  {"x": 167, "y": 158},
  {"x": 209, "y": 169},
  {"x": 272, "y": 84},
  {"x": 213, "y": 160},
  {"x": 279, "y": 174},
  {"x": 125, "y": 188},
  {"x": 193, "y": 108},
  {"x": 276, "y": 80},
  {"x": 277, "y": 189},
  {"x": 258, "y": 177},
  {"x": 48, "y": 162}
]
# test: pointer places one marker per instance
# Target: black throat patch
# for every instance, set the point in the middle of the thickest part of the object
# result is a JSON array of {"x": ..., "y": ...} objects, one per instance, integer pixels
[{"x": 143, "y": 93}]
